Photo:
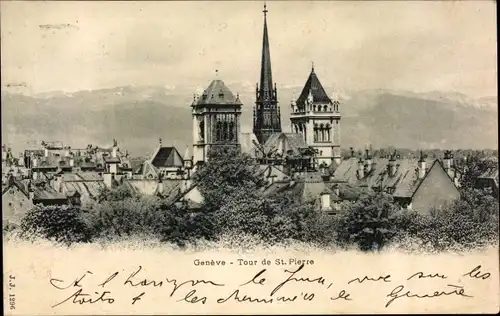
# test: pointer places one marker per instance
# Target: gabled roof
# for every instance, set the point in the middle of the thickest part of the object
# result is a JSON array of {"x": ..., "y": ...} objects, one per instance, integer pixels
[
  {"x": 167, "y": 157},
  {"x": 284, "y": 142},
  {"x": 437, "y": 164},
  {"x": 217, "y": 93},
  {"x": 314, "y": 86},
  {"x": 11, "y": 181}
]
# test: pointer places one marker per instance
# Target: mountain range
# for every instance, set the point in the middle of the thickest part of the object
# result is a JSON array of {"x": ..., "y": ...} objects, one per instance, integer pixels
[{"x": 138, "y": 116}]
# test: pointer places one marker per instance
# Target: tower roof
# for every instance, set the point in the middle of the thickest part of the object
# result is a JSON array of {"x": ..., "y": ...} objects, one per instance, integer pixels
[
  {"x": 217, "y": 93},
  {"x": 266, "y": 76},
  {"x": 315, "y": 88}
]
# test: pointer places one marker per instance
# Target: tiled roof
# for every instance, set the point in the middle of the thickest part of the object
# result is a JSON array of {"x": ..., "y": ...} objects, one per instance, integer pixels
[
  {"x": 491, "y": 174},
  {"x": 318, "y": 93},
  {"x": 404, "y": 182},
  {"x": 47, "y": 193},
  {"x": 167, "y": 157},
  {"x": 284, "y": 142},
  {"x": 89, "y": 176},
  {"x": 85, "y": 188},
  {"x": 111, "y": 159},
  {"x": 217, "y": 93},
  {"x": 150, "y": 187}
]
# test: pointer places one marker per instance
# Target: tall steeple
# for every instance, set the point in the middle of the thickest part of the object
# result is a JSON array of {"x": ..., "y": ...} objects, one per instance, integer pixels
[{"x": 266, "y": 112}]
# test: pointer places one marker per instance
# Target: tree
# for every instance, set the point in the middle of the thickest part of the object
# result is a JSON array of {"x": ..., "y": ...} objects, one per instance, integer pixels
[
  {"x": 474, "y": 167},
  {"x": 228, "y": 172},
  {"x": 470, "y": 222},
  {"x": 118, "y": 193},
  {"x": 60, "y": 223},
  {"x": 369, "y": 222}
]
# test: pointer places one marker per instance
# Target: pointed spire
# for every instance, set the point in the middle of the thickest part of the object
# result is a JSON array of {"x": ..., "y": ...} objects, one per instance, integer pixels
[
  {"x": 266, "y": 77},
  {"x": 312, "y": 67}
]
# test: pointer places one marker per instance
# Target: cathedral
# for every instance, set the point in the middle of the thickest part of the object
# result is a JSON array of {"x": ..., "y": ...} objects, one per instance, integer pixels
[
  {"x": 305, "y": 160},
  {"x": 314, "y": 139}
]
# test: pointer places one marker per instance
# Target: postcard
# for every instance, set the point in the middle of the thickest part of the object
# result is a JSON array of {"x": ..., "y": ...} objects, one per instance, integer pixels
[{"x": 249, "y": 157}]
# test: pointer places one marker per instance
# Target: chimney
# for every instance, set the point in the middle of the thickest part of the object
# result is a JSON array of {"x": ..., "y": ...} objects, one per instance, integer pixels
[
  {"x": 115, "y": 148},
  {"x": 161, "y": 186},
  {"x": 448, "y": 160},
  {"x": 392, "y": 164},
  {"x": 57, "y": 182},
  {"x": 113, "y": 168},
  {"x": 361, "y": 168},
  {"x": 71, "y": 162},
  {"x": 368, "y": 161},
  {"x": 108, "y": 179},
  {"x": 421, "y": 166},
  {"x": 67, "y": 151},
  {"x": 325, "y": 200},
  {"x": 31, "y": 193},
  {"x": 337, "y": 190}
]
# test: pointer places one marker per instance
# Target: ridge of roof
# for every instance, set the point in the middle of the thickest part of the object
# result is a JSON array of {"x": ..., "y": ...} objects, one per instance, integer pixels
[{"x": 313, "y": 85}]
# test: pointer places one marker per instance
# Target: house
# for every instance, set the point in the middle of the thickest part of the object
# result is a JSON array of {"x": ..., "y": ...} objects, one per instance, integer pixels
[
  {"x": 19, "y": 196},
  {"x": 488, "y": 180},
  {"x": 419, "y": 184},
  {"x": 167, "y": 163},
  {"x": 16, "y": 202},
  {"x": 54, "y": 156}
]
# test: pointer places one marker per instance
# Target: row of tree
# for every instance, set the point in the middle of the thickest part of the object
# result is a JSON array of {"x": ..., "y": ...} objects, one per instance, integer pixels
[{"x": 234, "y": 205}]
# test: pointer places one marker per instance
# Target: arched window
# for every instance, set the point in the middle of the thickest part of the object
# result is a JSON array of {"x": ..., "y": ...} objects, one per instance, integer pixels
[
  {"x": 328, "y": 132},
  {"x": 231, "y": 131},
  {"x": 322, "y": 132},
  {"x": 319, "y": 108},
  {"x": 325, "y": 108},
  {"x": 218, "y": 131},
  {"x": 314, "y": 107},
  {"x": 225, "y": 128},
  {"x": 202, "y": 130}
]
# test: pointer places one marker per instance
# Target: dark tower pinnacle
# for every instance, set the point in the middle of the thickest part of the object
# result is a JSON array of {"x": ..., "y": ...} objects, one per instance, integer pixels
[{"x": 266, "y": 119}]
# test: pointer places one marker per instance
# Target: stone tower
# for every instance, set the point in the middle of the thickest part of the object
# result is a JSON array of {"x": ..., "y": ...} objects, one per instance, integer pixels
[
  {"x": 317, "y": 118},
  {"x": 216, "y": 119},
  {"x": 266, "y": 116}
]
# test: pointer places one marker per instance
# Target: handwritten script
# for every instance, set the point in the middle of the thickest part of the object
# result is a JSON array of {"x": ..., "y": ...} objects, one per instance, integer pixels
[{"x": 280, "y": 285}]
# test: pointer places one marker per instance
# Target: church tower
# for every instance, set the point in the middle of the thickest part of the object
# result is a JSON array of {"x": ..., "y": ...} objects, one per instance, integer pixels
[
  {"x": 317, "y": 118},
  {"x": 216, "y": 119},
  {"x": 266, "y": 115}
]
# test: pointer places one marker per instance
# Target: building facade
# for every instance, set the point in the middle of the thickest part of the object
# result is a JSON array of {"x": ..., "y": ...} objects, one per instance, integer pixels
[
  {"x": 317, "y": 118},
  {"x": 216, "y": 120}
]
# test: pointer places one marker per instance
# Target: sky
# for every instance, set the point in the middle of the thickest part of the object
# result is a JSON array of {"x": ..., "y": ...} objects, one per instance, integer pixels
[{"x": 417, "y": 46}]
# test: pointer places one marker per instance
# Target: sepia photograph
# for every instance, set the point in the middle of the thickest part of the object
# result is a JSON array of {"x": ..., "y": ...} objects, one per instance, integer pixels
[{"x": 249, "y": 157}]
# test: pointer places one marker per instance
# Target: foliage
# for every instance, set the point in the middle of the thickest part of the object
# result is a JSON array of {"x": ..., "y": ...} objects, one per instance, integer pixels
[
  {"x": 60, "y": 223},
  {"x": 227, "y": 173},
  {"x": 474, "y": 167},
  {"x": 235, "y": 205},
  {"x": 118, "y": 193},
  {"x": 370, "y": 222},
  {"x": 126, "y": 217},
  {"x": 470, "y": 222}
]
